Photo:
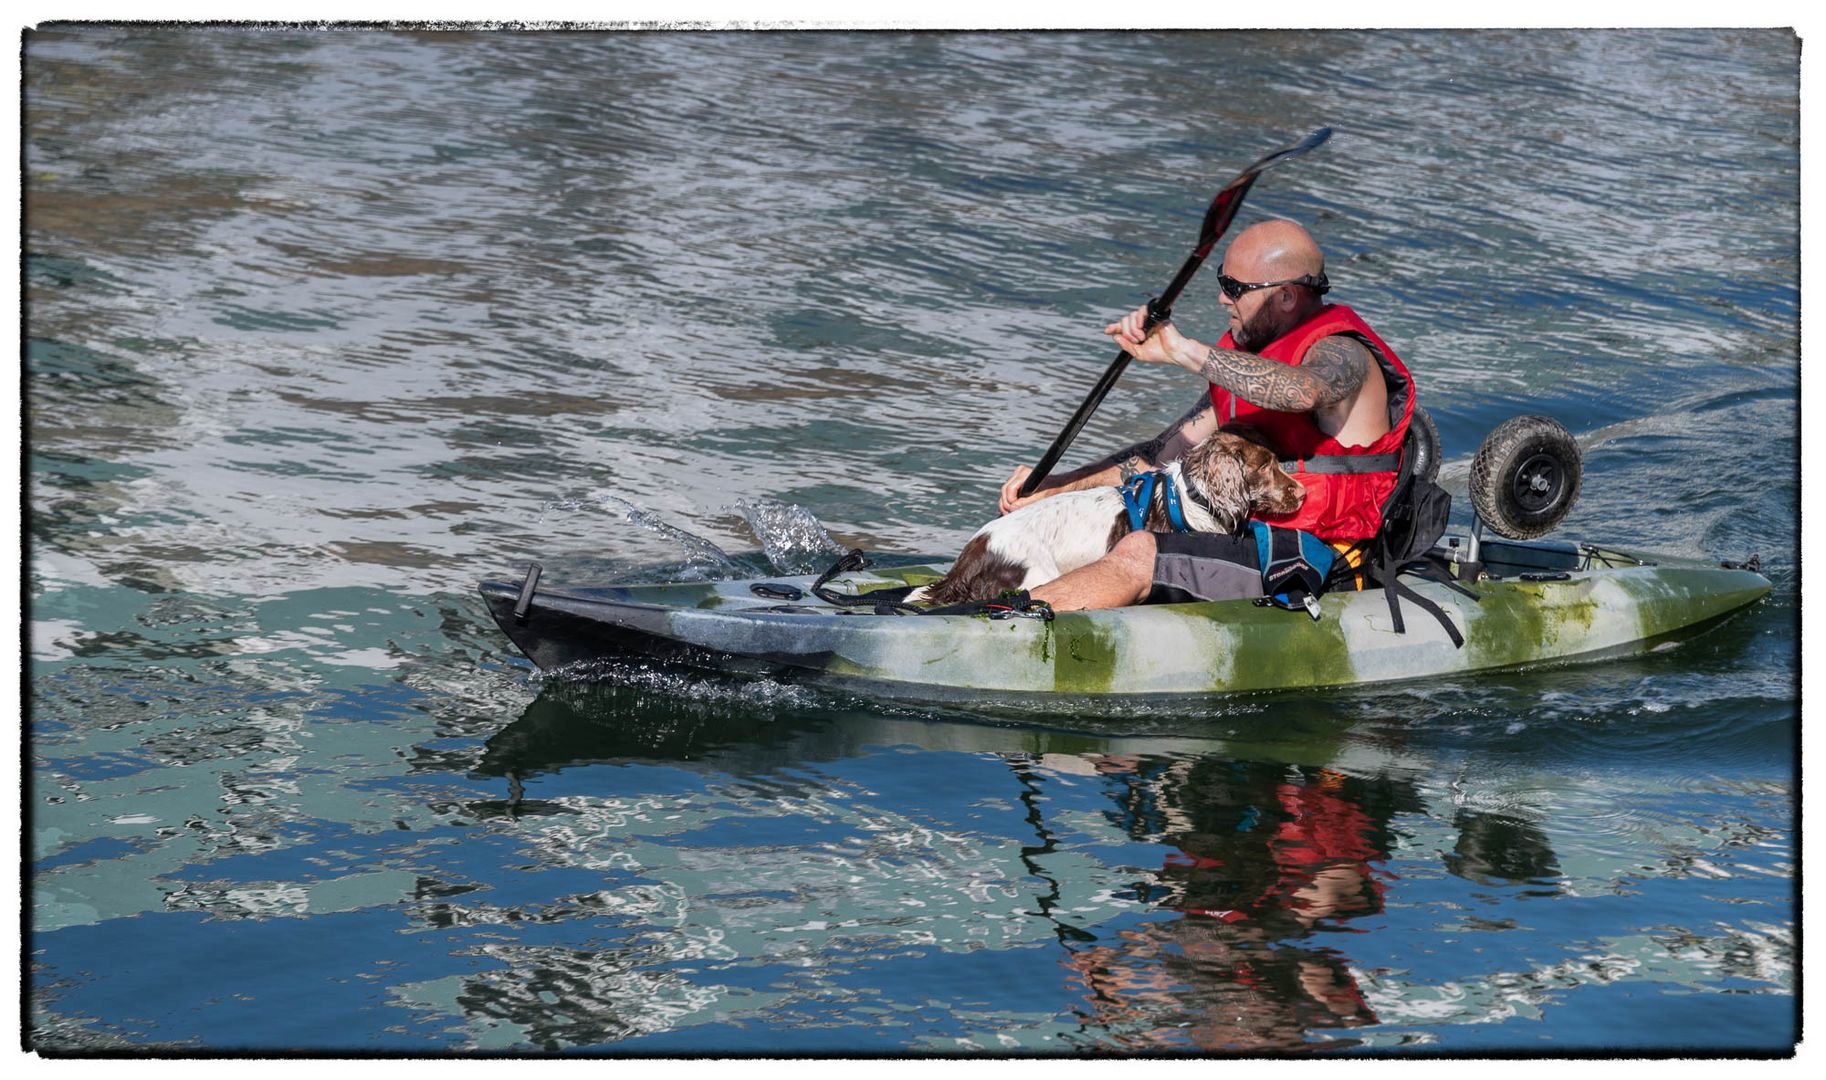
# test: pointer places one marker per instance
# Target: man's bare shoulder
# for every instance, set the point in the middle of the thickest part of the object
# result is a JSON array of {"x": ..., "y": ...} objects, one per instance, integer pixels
[
  {"x": 1343, "y": 348},
  {"x": 1341, "y": 363}
]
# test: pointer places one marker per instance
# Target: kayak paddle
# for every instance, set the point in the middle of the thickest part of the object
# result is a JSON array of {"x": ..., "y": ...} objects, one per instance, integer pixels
[{"x": 1217, "y": 219}]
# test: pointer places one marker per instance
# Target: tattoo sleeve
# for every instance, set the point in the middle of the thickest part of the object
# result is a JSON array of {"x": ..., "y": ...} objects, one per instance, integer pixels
[
  {"x": 1334, "y": 369},
  {"x": 1179, "y": 436}
]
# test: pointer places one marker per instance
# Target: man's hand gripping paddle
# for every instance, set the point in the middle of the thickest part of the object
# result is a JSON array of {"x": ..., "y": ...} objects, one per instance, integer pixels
[{"x": 1217, "y": 219}]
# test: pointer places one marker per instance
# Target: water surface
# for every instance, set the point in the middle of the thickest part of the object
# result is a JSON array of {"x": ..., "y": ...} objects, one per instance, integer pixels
[{"x": 323, "y": 327}]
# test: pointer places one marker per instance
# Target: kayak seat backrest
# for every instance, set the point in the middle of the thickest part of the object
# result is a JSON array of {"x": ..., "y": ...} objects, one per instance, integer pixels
[{"x": 1414, "y": 517}]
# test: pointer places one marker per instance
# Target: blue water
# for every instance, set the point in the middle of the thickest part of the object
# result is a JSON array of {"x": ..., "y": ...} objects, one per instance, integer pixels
[{"x": 324, "y": 327}]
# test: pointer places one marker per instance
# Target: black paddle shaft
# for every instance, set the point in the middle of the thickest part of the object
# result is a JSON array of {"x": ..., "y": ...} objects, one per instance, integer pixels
[{"x": 1217, "y": 219}]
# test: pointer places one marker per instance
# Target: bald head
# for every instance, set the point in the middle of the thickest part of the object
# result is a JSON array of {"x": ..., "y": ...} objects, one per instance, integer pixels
[{"x": 1273, "y": 251}]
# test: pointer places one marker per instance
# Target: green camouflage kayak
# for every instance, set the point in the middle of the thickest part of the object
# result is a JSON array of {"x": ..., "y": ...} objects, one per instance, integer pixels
[{"x": 1543, "y": 601}]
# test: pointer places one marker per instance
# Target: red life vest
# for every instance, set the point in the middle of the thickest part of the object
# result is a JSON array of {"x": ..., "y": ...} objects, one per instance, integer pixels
[{"x": 1338, "y": 506}]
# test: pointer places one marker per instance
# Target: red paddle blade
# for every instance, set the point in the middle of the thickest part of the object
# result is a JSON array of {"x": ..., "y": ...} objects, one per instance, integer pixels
[{"x": 1230, "y": 200}]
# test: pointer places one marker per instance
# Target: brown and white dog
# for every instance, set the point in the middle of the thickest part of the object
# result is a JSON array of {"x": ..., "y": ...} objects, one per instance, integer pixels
[{"x": 1230, "y": 475}]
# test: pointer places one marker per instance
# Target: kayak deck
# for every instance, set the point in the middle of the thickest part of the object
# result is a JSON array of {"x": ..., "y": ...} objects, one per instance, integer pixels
[{"x": 1553, "y": 601}]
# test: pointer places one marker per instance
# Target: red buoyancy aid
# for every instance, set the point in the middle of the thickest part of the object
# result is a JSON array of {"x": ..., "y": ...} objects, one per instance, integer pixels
[{"x": 1338, "y": 506}]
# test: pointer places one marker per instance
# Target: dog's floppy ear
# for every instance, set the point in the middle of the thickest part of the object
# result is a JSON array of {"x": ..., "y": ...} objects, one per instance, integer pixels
[
  {"x": 1269, "y": 485},
  {"x": 1217, "y": 468}
]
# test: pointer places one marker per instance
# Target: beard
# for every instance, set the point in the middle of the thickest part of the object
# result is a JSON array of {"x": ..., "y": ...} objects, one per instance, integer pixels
[{"x": 1253, "y": 334}]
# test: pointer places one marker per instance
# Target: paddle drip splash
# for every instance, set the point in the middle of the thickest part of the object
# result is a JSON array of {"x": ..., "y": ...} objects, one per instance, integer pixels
[
  {"x": 793, "y": 539},
  {"x": 703, "y": 560}
]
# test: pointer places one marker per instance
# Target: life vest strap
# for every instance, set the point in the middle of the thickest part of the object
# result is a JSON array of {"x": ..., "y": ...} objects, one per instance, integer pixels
[
  {"x": 1343, "y": 464},
  {"x": 1396, "y": 590}
]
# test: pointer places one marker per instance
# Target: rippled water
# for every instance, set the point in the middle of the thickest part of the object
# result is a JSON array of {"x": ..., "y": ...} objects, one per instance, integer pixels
[{"x": 323, "y": 327}]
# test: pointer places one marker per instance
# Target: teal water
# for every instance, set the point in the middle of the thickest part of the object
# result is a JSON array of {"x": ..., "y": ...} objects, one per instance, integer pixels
[{"x": 324, "y": 327}]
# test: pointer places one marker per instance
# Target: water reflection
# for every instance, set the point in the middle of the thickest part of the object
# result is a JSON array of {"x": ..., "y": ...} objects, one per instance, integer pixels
[
  {"x": 1501, "y": 849},
  {"x": 1257, "y": 861},
  {"x": 1228, "y": 941},
  {"x": 668, "y": 860}
]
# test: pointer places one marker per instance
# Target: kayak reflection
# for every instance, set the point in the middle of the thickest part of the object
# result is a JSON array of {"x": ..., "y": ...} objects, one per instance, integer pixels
[
  {"x": 657, "y": 713},
  {"x": 1187, "y": 894}
]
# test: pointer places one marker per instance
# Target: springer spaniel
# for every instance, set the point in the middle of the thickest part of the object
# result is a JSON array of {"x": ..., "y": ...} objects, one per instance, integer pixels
[{"x": 1221, "y": 481}]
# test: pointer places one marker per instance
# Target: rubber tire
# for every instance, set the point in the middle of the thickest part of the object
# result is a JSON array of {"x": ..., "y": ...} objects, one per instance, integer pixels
[
  {"x": 1526, "y": 476},
  {"x": 1426, "y": 444}
]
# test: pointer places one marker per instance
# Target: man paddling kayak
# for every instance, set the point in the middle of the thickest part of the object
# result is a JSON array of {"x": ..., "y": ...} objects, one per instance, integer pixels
[{"x": 1312, "y": 378}]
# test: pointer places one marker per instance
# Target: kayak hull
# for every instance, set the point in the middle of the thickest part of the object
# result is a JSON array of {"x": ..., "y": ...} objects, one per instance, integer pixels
[{"x": 1170, "y": 649}]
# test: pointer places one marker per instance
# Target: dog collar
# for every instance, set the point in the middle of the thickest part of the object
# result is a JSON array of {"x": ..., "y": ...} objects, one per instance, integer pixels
[{"x": 1202, "y": 503}]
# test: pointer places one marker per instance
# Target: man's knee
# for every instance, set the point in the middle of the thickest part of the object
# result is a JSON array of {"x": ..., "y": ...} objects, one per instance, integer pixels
[
  {"x": 1134, "y": 556},
  {"x": 1136, "y": 547}
]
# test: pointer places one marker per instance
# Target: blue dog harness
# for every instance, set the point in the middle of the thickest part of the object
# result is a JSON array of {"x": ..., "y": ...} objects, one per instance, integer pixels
[
  {"x": 1138, "y": 495},
  {"x": 1293, "y": 563}
]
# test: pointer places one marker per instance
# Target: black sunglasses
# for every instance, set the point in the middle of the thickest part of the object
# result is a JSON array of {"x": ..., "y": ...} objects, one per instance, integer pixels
[{"x": 1235, "y": 289}]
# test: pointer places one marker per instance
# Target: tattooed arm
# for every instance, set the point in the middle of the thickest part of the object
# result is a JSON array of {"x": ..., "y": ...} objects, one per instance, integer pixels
[
  {"x": 1181, "y": 435},
  {"x": 1333, "y": 371}
]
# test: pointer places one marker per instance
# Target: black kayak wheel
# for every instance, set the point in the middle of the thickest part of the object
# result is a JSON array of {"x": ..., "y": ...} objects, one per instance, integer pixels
[
  {"x": 1424, "y": 436},
  {"x": 1526, "y": 476}
]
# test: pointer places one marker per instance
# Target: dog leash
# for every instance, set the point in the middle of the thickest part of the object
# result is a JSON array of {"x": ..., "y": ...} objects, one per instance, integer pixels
[
  {"x": 888, "y": 601},
  {"x": 883, "y": 601}
]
